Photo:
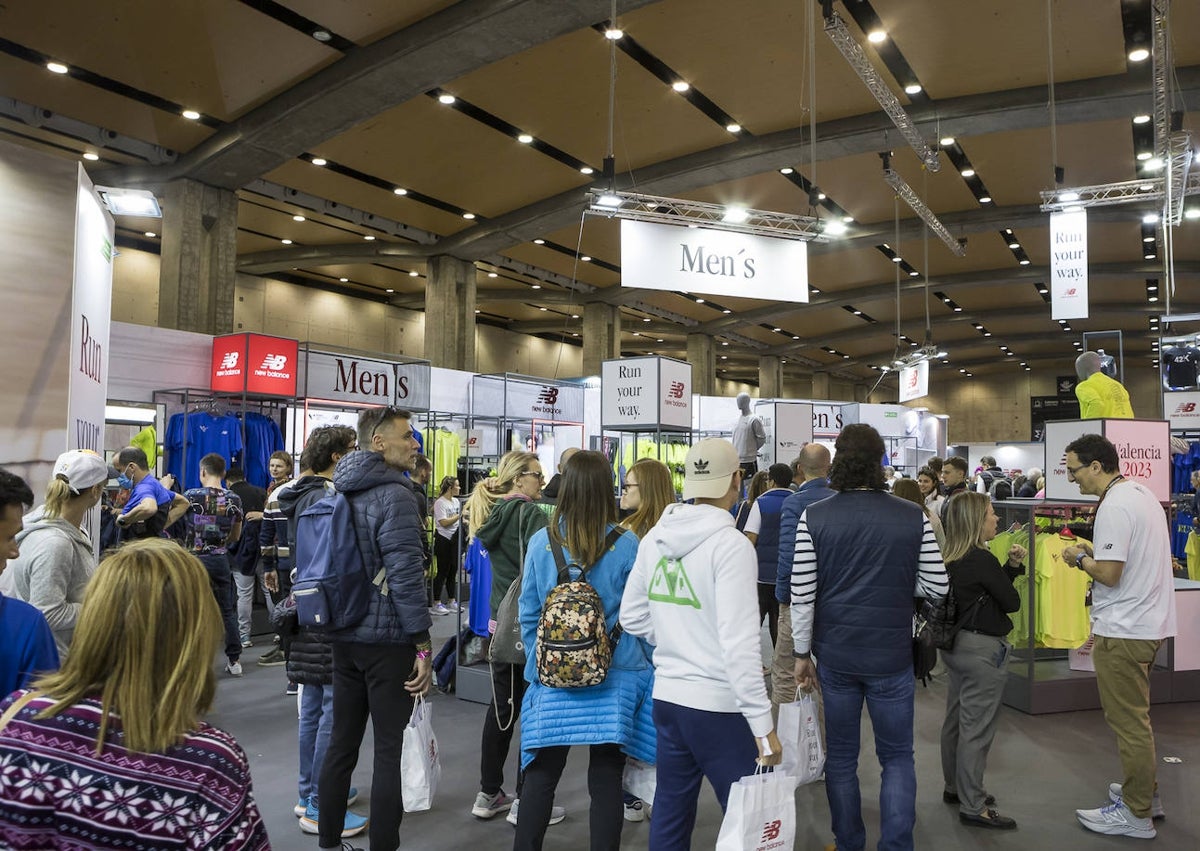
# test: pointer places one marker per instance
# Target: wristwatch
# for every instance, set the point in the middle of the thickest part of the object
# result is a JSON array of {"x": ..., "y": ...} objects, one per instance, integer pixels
[
  {"x": 1079, "y": 559},
  {"x": 807, "y": 655}
]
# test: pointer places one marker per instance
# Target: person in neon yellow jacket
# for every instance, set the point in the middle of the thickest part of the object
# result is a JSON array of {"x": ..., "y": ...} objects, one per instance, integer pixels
[{"x": 1100, "y": 397}]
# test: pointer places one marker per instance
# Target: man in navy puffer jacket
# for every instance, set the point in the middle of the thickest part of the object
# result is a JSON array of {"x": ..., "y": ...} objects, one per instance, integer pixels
[{"x": 383, "y": 661}]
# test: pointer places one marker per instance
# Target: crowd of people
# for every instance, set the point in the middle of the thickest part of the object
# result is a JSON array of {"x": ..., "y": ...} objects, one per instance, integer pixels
[{"x": 108, "y": 668}]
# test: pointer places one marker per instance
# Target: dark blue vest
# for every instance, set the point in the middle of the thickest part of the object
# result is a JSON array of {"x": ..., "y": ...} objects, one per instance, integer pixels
[
  {"x": 868, "y": 544},
  {"x": 770, "y": 507}
]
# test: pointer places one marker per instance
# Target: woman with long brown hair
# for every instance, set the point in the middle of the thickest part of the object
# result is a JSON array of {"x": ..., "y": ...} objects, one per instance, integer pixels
[
  {"x": 647, "y": 491},
  {"x": 612, "y": 717},
  {"x": 124, "y": 713}
]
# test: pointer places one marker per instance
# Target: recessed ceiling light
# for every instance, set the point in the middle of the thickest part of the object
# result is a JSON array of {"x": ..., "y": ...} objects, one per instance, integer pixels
[
  {"x": 946, "y": 141},
  {"x": 776, "y": 330},
  {"x": 645, "y": 318},
  {"x": 786, "y": 170},
  {"x": 986, "y": 199},
  {"x": 524, "y": 138},
  {"x": 1192, "y": 213},
  {"x": 1150, "y": 218},
  {"x": 369, "y": 238},
  {"x": 344, "y": 280},
  {"x": 699, "y": 301},
  {"x": 659, "y": 340},
  {"x": 734, "y": 128},
  {"x": 724, "y": 357},
  {"x": 90, "y": 156},
  {"x": 57, "y": 68},
  {"x": 542, "y": 309},
  {"x": 1144, "y": 155},
  {"x": 318, "y": 161},
  {"x": 877, "y": 36},
  {"x": 914, "y": 274},
  {"x": 821, "y": 196},
  {"x": 191, "y": 114},
  {"x": 587, "y": 169},
  {"x": 1151, "y": 256},
  {"x": 912, "y": 89},
  {"x": 390, "y": 290},
  {"x": 400, "y": 190},
  {"x": 322, "y": 35},
  {"x": 1014, "y": 245},
  {"x": 795, "y": 338},
  {"x": 574, "y": 315},
  {"x": 151, "y": 234},
  {"x": 1152, "y": 298},
  {"x": 727, "y": 311},
  {"x": 680, "y": 86},
  {"x": 286, "y": 241},
  {"x": 1141, "y": 119},
  {"x": 1139, "y": 54},
  {"x": 297, "y": 218},
  {"x": 613, "y": 34},
  {"x": 586, "y": 259},
  {"x": 446, "y": 99},
  {"x": 897, "y": 259},
  {"x": 493, "y": 275},
  {"x": 414, "y": 274},
  {"x": 539, "y": 242},
  {"x": 967, "y": 172},
  {"x": 1153, "y": 164},
  {"x": 1147, "y": 239},
  {"x": 477, "y": 310},
  {"x": 468, "y": 216}
]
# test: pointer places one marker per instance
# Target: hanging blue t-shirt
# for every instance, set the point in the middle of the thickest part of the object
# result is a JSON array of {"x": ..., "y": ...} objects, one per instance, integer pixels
[
  {"x": 1179, "y": 533},
  {"x": 478, "y": 565}
]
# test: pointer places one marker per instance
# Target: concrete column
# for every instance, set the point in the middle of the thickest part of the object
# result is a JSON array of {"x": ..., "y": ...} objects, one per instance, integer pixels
[
  {"x": 450, "y": 313},
  {"x": 770, "y": 377},
  {"x": 820, "y": 385},
  {"x": 199, "y": 258},
  {"x": 704, "y": 364},
  {"x": 601, "y": 335}
]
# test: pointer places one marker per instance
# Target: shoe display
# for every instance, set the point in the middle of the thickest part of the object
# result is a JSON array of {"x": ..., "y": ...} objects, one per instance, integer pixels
[
  {"x": 234, "y": 669},
  {"x": 487, "y": 805},
  {"x": 557, "y": 814},
  {"x": 988, "y": 818},
  {"x": 301, "y": 807},
  {"x": 952, "y": 798},
  {"x": 1156, "y": 807},
  {"x": 272, "y": 658},
  {"x": 635, "y": 812},
  {"x": 352, "y": 826},
  {"x": 1116, "y": 820},
  {"x": 292, "y": 689}
]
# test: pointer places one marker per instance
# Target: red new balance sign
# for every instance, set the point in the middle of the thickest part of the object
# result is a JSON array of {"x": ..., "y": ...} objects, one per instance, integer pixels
[{"x": 254, "y": 363}]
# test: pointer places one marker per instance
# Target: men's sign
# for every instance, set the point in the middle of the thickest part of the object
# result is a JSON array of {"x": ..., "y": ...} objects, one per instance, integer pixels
[
  {"x": 254, "y": 363},
  {"x": 649, "y": 393},
  {"x": 350, "y": 378},
  {"x": 1068, "y": 265},
  {"x": 701, "y": 260}
]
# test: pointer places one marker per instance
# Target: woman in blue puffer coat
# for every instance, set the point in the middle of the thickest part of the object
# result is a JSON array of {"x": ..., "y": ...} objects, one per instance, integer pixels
[{"x": 614, "y": 717}]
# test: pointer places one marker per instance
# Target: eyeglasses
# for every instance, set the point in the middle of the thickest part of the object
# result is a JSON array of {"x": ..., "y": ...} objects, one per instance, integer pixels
[
  {"x": 628, "y": 485},
  {"x": 541, "y": 476},
  {"x": 1071, "y": 471}
]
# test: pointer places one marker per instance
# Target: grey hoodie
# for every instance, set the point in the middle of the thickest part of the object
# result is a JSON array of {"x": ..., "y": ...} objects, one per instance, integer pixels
[{"x": 52, "y": 572}]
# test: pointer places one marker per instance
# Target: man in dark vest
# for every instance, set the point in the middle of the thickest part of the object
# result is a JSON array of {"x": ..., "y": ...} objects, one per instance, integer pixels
[
  {"x": 861, "y": 556},
  {"x": 762, "y": 528}
]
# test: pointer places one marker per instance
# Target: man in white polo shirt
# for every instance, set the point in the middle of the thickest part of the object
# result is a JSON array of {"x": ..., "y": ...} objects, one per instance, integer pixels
[{"x": 1133, "y": 611}]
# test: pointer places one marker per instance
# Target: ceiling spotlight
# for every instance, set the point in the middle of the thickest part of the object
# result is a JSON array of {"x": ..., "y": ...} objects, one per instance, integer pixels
[
  {"x": 946, "y": 141},
  {"x": 1150, "y": 218},
  {"x": 914, "y": 274},
  {"x": 468, "y": 216},
  {"x": 795, "y": 338},
  {"x": 318, "y": 161},
  {"x": 847, "y": 219},
  {"x": 369, "y": 238},
  {"x": 535, "y": 287},
  {"x": 776, "y": 330},
  {"x": 399, "y": 190},
  {"x": 1144, "y": 155},
  {"x": 786, "y": 170},
  {"x": 90, "y": 156},
  {"x": 967, "y": 172},
  {"x": 286, "y": 241},
  {"x": 613, "y": 34},
  {"x": 645, "y": 318},
  {"x": 727, "y": 311},
  {"x": 1139, "y": 54},
  {"x": 912, "y": 89},
  {"x": 574, "y": 315},
  {"x": 701, "y": 301},
  {"x": 390, "y": 290},
  {"x": 680, "y": 86},
  {"x": 191, "y": 114},
  {"x": 835, "y": 228},
  {"x": 539, "y": 241},
  {"x": 736, "y": 215},
  {"x": 1068, "y": 196},
  {"x": 986, "y": 199},
  {"x": 344, "y": 280},
  {"x": 57, "y": 68},
  {"x": 897, "y": 259},
  {"x": 1147, "y": 239},
  {"x": 1192, "y": 213},
  {"x": 446, "y": 99},
  {"x": 877, "y": 36},
  {"x": 151, "y": 234},
  {"x": 492, "y": 275},
  {"x": 524, "y": 138},
  {"x": 1153, "y": 164},
  {"x": 734, "y": 128},
  {"x": 586, "y": 259},
  {"x": 324, "y": 36},
  {"x": 609, "y": 200},
  {"x": 1151, "y": 256},
  {"x": 543, "y": 309},
  {"x": 1152, "y": 298},
  {"x": 297, "y": 218},
  {"x": 1141, "y": 119},
  {"x": 1014, "y": 245},
  {"x": 587, "y": 169},
  {"x": 414, "y": 274}
]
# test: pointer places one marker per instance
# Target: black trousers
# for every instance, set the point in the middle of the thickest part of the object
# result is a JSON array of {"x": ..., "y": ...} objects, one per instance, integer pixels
[
  {"x": 368, "y": 681},
  {"x": 605, "y": 771},
  {"x": 768, "y": 607},
  {"x": 220, "y": 577},
  {"x": 445, "y": 550},
  {"x": 508, "y": 690}
]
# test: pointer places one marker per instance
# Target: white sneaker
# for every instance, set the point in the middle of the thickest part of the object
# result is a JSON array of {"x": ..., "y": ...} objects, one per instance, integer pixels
[
  {"x": 246, "y": 642},
  {"x": 234, "y": 669},
  {"x": 1156, "y": 807},
  {"x": 635, "y": 812},
  {"x": 557, "y": 814},
  {"x": 1116, "y": 820},
  {"x": 439, "y": 609},
  {"x": 452, "y": 606}
]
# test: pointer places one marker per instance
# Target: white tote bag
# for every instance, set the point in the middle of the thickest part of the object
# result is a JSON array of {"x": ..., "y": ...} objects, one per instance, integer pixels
[
  {"x": 641, "y": 779},
  {"x": 761, "y": 815},
  {"x": 420, "y": 766},
  {"x": 800, "y": 736}
]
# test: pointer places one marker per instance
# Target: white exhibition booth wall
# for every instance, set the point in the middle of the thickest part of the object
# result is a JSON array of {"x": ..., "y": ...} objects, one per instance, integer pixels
[{"x": 1009, "y": 456}]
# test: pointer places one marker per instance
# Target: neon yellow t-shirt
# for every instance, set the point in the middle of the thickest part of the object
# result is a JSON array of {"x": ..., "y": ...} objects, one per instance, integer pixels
[{"x": 1100, "y": 397}]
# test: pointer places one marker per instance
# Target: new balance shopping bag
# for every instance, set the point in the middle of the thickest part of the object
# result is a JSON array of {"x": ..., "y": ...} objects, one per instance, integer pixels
[
  {"x": 641, "y": 779},
  {"x": 420, "y": 766},
  {"x": 761, "y": 815},
  {"x": 800, "y": 736}
]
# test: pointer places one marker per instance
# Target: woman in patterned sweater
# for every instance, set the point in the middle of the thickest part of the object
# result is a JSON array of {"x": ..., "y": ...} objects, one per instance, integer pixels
[{"x": 110, "y": 752}]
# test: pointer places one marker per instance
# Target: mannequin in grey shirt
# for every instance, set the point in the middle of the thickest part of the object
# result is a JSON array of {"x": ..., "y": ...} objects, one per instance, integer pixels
[{"x": 748, "y": 435}]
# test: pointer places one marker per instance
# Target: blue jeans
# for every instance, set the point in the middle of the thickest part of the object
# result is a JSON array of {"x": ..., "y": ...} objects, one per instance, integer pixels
[
  {"x": 316, "y": 723},
  {"x": 890, "y": 703},
  {"x": 694, "y": 744}
]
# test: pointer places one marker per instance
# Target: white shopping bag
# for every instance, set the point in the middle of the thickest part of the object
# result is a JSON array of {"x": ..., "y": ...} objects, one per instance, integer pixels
[
  {"x": 761, "y": 815},
  {"x": 641, "y": 779},
  {"x": 420, "y": 766},
  {"x": 800, "y": 736}
]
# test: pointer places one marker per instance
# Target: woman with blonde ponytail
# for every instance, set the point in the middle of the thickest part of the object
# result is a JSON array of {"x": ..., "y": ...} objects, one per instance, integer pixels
[{"x": 56, "y": 558}]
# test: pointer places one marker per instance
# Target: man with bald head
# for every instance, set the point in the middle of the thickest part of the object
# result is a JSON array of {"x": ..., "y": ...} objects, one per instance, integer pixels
[
  {"x": 1100, "y": 397},
  {"x": 550, "y": 491},
  {"x": 813, "y": 466}
]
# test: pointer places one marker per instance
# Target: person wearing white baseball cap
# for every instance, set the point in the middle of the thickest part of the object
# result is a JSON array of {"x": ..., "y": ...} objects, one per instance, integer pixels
[
  {"x": 692, "y": 593},
  {"x": 56, "y": 558}
]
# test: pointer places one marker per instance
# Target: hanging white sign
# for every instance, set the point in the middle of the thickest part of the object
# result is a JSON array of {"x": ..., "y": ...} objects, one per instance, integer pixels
[
  {"x": 646, "y": 393},
  {"x": 716, "y": 262},
  {"x": 914, "y": 381},
  {"x": 1068, "y": 265}
]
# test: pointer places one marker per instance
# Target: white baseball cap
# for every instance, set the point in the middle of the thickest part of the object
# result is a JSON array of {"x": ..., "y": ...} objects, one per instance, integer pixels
[
  {"x": 82, "y": 469},
  {"x": 708, "y": 467}
]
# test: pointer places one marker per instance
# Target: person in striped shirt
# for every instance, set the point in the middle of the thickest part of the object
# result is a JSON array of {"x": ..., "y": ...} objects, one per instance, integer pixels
[{"x": 860, "y": 558}]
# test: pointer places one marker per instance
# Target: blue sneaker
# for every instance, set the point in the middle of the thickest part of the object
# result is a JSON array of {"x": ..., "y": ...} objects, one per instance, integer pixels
[
  {"x": 352, "y": 826},
  {"x": 352, "y": 797},
  {"x": 301, "y": 807}
]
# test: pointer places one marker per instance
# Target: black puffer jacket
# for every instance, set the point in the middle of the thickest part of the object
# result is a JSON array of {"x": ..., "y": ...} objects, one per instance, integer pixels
[
  {"x": 309, "y": 653},
  {"x": 388, "y": 527}
]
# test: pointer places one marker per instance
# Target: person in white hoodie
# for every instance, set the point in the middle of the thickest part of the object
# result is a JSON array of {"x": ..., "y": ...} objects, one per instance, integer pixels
[
  {"x": 56, "y": 558},
  {"x": 692, "y": 594}
]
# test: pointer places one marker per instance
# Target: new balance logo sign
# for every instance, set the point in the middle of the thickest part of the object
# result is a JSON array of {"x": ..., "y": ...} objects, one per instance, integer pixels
[
  {"x": 548, "y": 396},
  {"x": 274, "y": 362},
  {"x": 676, "y": 391},
  {"x": 547, "y": 402},
  {"x": 1070, "y": 292},
  {"x": 230, "y": 360},
  {"x": 700, "y": 467},
  {"x": 771, "y": 830},
  {"x": 1186, "y": 408}
]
